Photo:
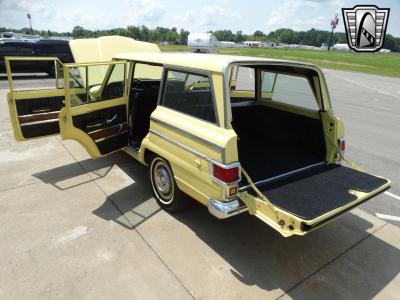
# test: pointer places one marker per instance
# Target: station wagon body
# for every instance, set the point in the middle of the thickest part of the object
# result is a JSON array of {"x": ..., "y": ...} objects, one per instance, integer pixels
[{"x": 237, "y": 134}]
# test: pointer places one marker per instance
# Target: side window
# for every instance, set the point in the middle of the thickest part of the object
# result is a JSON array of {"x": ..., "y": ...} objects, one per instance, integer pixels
[
  {"x": 267, "y": 82},
  {"x": 117, "y": 74},
  {"x": 245, "y": 79},
  {"x": 146, "y": 71},
  {"x": 189, "y": 93},
  {"x": 49, "y": 73},
  {"x": 95, "y": 83},
  {"x": 288, "y": 89},
  {"x": 115, "y": 87}
]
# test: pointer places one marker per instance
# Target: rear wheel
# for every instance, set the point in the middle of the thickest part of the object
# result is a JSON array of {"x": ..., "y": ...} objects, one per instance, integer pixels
[{"x": 167, "y": 193}]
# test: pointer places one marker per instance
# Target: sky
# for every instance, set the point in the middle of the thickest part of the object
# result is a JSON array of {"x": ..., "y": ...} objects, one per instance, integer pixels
[{"x": 195, "y": 16}]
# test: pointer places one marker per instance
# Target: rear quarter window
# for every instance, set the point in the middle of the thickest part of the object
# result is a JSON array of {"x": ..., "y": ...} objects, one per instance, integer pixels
[
  {"x": 245, "y": 79},
  {"x": 288, "y": 89},
  {"x": 189, "y": 93}
]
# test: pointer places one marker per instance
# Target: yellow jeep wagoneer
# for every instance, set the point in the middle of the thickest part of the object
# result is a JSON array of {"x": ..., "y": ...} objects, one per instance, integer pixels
[{"x": 238, "y": 134}]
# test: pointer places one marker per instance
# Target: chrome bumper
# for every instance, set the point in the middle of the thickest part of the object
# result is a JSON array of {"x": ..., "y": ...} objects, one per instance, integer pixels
[{"x": 223, "y": 210}]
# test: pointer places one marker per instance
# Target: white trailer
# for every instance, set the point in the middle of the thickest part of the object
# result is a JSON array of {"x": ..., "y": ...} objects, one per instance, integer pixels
[{"x": 202, "y": 43}]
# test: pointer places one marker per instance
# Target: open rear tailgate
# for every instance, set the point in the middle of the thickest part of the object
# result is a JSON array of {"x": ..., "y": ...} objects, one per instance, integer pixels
[{"x": 307, "y": 200}]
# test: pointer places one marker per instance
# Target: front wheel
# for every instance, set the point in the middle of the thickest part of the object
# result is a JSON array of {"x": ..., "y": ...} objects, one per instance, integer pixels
[{"x": 167, "y": 193}]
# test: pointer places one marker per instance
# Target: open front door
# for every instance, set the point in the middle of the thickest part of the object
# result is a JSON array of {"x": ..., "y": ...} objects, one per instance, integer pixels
[
  {"x": 34, "y": 110},
  {"x": 95, "y": 114}
]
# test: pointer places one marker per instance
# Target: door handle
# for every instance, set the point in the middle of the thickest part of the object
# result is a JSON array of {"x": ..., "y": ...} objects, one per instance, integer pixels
[{"x": 112, "y": 119}]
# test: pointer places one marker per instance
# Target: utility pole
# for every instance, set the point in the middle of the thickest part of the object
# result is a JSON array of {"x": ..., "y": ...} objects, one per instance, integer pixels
[
  {"x": 334, "y": 22},
  {"x": 30, "y": 23}
]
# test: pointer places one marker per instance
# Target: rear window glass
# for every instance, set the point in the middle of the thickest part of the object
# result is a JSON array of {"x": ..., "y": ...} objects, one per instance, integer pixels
[{"x": 189, "y": 93}]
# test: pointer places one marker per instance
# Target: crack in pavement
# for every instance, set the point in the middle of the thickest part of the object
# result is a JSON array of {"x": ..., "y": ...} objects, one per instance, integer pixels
[{"x": 20, "y": 186}]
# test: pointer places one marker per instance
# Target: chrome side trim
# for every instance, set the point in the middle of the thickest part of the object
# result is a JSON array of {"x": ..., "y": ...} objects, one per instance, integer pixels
[
  {"x": 195, "y": 152},
  {"x": 38, "y": 122},
  {"x": 110, "y": 136},
  {"x": 178, "y": 144},
  {"x": 224, "y": 186},
  {"x": 191, "y": 135},
  {"x": 223, "y": 210},
  {"x": 243, "y": 188}
]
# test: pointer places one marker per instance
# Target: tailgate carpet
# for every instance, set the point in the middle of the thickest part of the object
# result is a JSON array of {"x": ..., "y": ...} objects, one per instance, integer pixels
[{"x": 320, "y": 190}]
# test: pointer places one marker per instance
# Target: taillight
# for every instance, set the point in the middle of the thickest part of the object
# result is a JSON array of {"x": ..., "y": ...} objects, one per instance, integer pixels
[
  {"x": 342, "y": 144},
  {"x": 227, "y": 175}
]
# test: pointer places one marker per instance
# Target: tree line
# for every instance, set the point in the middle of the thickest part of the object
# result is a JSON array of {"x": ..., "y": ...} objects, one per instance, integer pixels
[{"x": 312, "y": 37}]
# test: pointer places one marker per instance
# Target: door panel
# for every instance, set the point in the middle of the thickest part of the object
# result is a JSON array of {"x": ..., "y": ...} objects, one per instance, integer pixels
[
  {"x": 34, "y": 112},
  {"x": 39, "y": 117},
  {"x": 108, "y": 127},
  {"x": 98, "y": 119}
]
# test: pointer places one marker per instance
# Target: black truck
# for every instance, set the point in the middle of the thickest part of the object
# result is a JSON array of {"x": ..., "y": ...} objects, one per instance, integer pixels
[{"x": 34, "y": 48}]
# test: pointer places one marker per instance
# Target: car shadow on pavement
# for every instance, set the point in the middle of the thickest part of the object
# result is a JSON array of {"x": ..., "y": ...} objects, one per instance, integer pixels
[
  {"x": 341, "y": 260},
  {"x": 128, "y": 203}
]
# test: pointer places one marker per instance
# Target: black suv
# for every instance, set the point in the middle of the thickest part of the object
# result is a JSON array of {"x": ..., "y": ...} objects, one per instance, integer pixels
[{"x": 38, "y": 47}]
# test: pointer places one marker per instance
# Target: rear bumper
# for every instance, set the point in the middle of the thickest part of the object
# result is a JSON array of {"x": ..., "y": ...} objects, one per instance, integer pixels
[{"x": 224, "y": 210}]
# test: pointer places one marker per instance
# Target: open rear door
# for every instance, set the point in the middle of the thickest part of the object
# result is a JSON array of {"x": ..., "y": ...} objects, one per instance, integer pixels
[
  {"x": 299, "y": 203},
  {"x": 95, "y": 113},
  {"x": 34, "y": 111}
]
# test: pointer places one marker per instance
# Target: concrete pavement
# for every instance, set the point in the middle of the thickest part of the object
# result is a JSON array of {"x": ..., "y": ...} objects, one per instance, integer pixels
[
  {"x": 370, "y": 108},
  {"x": 76, "y": 228}
]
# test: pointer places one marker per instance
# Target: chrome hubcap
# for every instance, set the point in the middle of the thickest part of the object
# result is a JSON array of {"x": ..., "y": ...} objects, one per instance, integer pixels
[{"x": 162, "y": 182}]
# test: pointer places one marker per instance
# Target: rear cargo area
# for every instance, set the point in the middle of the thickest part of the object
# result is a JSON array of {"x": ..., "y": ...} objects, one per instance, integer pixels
[
  {"x": 273, "y": 142},
  {"x": 284, "y": 155}
]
